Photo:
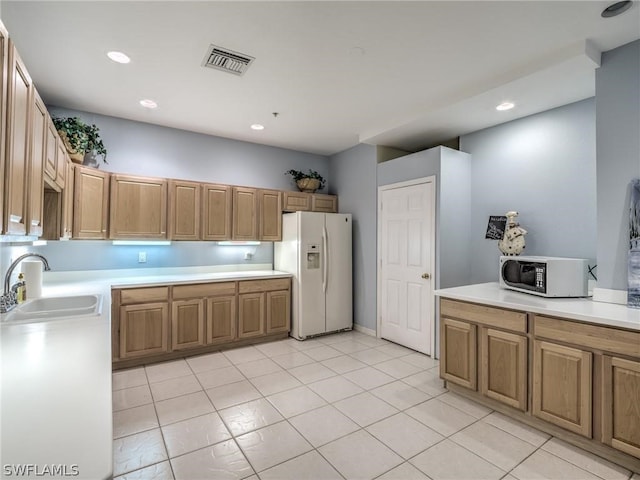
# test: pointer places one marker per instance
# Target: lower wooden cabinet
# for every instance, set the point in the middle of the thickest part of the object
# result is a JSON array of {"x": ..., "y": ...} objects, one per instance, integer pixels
[
  {"x": 151, "y": 321},
  {"x": 143, "y": 329},
  {"x": 503, "y": 367},
  {"x": 458, "y": 355},
  {"x": 251, "y": 315},
  {"x": 621, "y": 404},
  {"x": 187, "y": 323},
  {"x": 562, "y": 387},
  {"x": 221, "y": 319},
  {"x": 278, "y": 311}
]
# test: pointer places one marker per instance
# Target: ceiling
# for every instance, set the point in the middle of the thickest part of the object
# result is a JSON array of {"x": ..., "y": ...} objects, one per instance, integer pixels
[{"x": 401, "y": 74}]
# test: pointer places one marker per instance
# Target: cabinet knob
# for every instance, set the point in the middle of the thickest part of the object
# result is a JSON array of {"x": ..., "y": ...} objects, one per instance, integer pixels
[{"x": 426, "y": 275}]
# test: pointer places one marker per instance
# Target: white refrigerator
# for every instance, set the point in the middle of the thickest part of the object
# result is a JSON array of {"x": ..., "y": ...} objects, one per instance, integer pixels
[{"x": 316, "y": 249}]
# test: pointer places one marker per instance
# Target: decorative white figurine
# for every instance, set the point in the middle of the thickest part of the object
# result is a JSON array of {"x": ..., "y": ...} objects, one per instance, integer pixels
[{"x": 512, "y": 242}]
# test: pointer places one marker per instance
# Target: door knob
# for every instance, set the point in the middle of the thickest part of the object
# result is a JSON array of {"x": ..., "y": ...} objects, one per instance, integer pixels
[{"x": 425, "y": 275}]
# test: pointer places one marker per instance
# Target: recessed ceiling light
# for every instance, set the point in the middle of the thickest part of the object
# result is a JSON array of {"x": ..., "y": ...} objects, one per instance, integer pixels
[
  {"x": 147, "y": 103},
  {"x": 118, "y": 57},
  {"x": 505, "y": 106},
  {"x": 616, "y": 8},
  {"x": 257, "y": 126}
]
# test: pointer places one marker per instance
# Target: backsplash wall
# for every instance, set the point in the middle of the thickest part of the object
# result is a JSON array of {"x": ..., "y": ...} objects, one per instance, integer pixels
[{"x": 103, "y": 255}]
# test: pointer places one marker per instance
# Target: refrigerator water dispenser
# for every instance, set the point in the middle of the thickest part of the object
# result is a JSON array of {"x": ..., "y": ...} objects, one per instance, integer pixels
[{"x": 313, "y": 257}]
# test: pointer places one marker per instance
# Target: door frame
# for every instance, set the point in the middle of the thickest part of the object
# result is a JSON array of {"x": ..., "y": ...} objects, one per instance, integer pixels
[{"x": 393, "y": 186}]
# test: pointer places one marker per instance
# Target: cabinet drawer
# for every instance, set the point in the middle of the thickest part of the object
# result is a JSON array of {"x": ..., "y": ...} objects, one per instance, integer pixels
[
  {"x": 264, "y": 285},
  {"x": 491, "y": 316},
  {"x": 144, "y": 295},
  {"x": 612, "y": 340},
  {"x": 203, "y": 290}
]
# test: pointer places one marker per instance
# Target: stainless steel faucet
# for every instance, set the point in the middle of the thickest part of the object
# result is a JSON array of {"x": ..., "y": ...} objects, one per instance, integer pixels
[{"x": 8, "y": 300}]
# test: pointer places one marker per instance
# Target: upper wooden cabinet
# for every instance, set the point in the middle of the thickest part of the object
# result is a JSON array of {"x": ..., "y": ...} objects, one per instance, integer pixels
[
  {"x": 245, "y": 213},
  {"x": 138, "y": 207},
  {"x": 217, "y": 212},
  {"x": 4, "y": 68},
  {"x": 270, "y": 215},
  {"x": 90, "y": 204},
  {"x": 184, "y": 210},
  {"x": 309, "y": 202},
  {"x": 324, "y": 203},
  {"x": 17, "y": 145},
  {"x": 50, "y": 163},
  {"x": 35, "y": 175},
  {"x": 62, "y": 160},
  {"x": 66, "y": 217},
  {"x": 296, "y": 202}
]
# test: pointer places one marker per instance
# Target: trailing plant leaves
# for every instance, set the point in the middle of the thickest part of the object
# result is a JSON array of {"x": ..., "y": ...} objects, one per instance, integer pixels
[{"x": 82, "y": 137}]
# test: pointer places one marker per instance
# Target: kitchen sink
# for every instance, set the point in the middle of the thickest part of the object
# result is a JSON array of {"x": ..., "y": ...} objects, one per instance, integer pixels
[{"x": 49, "y": 308}]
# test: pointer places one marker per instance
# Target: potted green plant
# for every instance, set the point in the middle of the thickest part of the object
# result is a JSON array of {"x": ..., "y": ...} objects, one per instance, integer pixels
[
  {"x": 307, "y": 181},
  {"x": 79, "y": 138}
]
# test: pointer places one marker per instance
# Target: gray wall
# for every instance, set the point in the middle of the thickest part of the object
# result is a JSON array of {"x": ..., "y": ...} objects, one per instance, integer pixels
[
  {"x": 618, "y": 148},
  {"x": 452, "y": 170},
  {"x": 544, "y": 167},
  {"x": 353, "y": 178},
  {"x": 144, "y": 149}
]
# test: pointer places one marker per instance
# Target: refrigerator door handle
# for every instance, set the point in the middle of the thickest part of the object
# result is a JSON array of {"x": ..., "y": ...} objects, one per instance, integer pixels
[{"x": 325, "y": 266}]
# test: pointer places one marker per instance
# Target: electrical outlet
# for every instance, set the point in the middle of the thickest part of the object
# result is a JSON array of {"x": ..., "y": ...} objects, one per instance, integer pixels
[
  {"x": 142, "y": 257},
  {"x": 248, "y": 255}
]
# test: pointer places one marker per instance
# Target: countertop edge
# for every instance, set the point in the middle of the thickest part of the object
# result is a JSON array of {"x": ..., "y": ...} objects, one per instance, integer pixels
[{"x": 579, "y": 309}]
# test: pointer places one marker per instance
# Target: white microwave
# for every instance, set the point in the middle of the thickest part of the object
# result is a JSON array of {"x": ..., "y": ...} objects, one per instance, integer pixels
[{"x": 545, "y": 276}]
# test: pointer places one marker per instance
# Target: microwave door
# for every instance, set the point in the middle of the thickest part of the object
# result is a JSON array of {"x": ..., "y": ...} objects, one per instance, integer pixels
[{"x": 524, "y": 275}]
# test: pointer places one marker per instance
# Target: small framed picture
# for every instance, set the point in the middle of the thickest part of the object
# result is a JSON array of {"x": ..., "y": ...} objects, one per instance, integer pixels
[{"x": 496, "y": 227}]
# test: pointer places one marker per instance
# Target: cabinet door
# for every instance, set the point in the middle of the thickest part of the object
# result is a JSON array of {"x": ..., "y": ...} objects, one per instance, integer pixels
[
  {"x": 184, "y": 210},
  {"x": 50, "y": 163},
  {"x": 324, "y": 203},
  {"x": 250, "y": 315},
  {"x": 270, "y": 215},
  {"x": 621, "y": 405},
  {"x": 296, "y": 201},
  {"x": 217, "y": 212},
  {"x": 4, "y": 69},
  {"x": 458, "y": 360},
  {"x": 187, "y": 323},
  {"x": 144, "y": 329},
  {"x": 278, "y": 311},
  {"x": 90, "y": 203},
  {"x": 503, "y": 367},
  {"x": 138, "y": 207},
  {"x": 221, "y": 319},
  {"x": 35, "y": 193},
  {"x": 562, "y": 386},
  {"x": 18, "y": 136},
  {"x": 66, "y": 223},
  {"x": 245, "y": 214},
  {"x": 62, "y": 158}
]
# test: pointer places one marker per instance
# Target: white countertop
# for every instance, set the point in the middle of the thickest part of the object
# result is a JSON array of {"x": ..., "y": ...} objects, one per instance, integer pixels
[
  {"x": 55, "y": 402},
  {"x": 582, "y": 309},
  {"x": 55, "y": 376}
]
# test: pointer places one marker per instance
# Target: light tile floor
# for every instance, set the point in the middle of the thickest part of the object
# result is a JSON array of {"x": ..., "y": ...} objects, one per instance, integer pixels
[{"x": 344, "y": 406}]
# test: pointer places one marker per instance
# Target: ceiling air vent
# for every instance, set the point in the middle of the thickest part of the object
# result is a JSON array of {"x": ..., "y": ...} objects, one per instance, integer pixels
[{"x": 227, "y": 60}]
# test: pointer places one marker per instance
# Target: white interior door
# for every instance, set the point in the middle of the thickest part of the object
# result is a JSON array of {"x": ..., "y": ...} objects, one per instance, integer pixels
[{"x": 406, "y": 219}]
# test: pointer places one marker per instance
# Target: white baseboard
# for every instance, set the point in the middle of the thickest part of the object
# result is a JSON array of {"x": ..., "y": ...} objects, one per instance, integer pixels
[
  {"x": 608, "y": 295},
  {"x": 365, "y": 330}
]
